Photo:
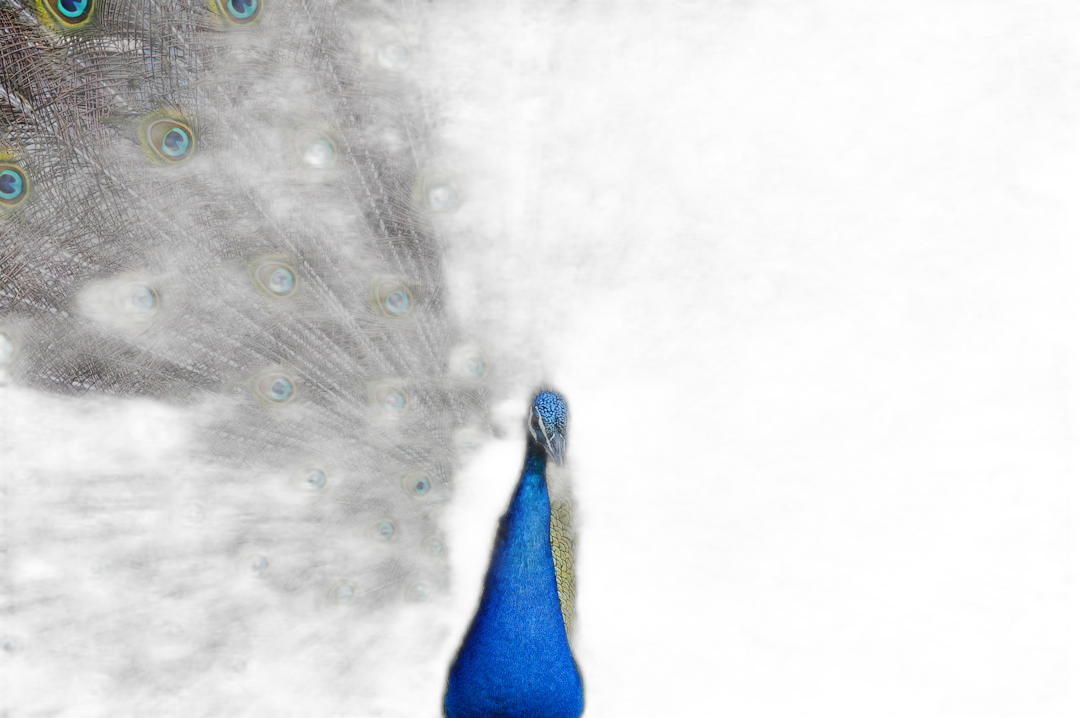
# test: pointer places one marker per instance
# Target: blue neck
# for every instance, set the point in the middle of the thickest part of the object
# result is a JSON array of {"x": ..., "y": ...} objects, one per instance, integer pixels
[{"x": 515, "y": 659}]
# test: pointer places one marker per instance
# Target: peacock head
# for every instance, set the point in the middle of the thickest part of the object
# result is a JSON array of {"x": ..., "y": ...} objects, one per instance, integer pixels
[{"x": 547, "y": 424}]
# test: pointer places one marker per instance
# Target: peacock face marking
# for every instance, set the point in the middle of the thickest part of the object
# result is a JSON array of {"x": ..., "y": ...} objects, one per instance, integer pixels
[
  {"x": 547, "y": 423},
  {"x": 14, "y": 185}
]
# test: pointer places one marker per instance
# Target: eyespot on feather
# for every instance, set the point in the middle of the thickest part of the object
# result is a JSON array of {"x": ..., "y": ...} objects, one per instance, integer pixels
[
  {"x": 238, "y": 13},
  {"x": 393, "y": 297},
  {"x": 274, "y": 387},
  {"x": 67, "y": 15},
  {"x": 168, "y": 139},
  {"x": 14, "y": 185},
  {"x": 390, "y": 400},
  {"x": 383, "y": 530},
  {"x": 417, "y": 484},
  {"x": 274, "y": 278},
  {"x": 315, "y": 149}
]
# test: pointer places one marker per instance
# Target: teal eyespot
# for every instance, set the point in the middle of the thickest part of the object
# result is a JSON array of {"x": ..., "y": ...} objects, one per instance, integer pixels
[
  {"x": 342, "y": 593},
  {"x": 432, "y": 547},
  {"x": 170, "y": 139},
  {"x": 68, "y": 14},
  {"x": 315, "y": 480},
  {"x": 274, "y": 277},
  {"x": 394, "y": 298},
  {"x": 441, "y": 197},
  {"x": 440, "y": 192},
  {"x": 275, "y": 388},
  {"x": 176, "y": 142},
  {"x": 383, "y": 530},
  {"x": 418, "y": 592},
  {"x": 467, "y": 440},
  {"x": 72, "y": 8},
  {"x": 417, "y": 483},
  {"x": 467, "y": 362},
  {"x": 389, "y": 49},
  {"x": 315, "y": 148},
  {"x": 394, "y": 402},
  {"x": 243, "y": 9},
  {"x": 13, "y": 185},
  {"x": 134, "y": 300},
  {"x": 396, "y": 302},
  {"x": 253, "y": 566}
]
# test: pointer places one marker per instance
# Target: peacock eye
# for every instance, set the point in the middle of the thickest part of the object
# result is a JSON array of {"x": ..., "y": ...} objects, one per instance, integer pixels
[
  {"x": 309, "y": 481},
  {"x": 135, "y": 300},
  {"x": 468, "y": 440},
  {"x": 383, "y": 530},
  {"x": 275, "y": 388},
  {"x": 390, "y": 50},
  {"x": 440, "y": 192},
  {"x": 70, "y": 14},
  {"x": 394, "y": 299},
  {"x": 170, "y": 139},
  {"x": 417, "y": 483},
  {"x": 315, "y": 148},
  {"x": 13, "y": 185},
  {"x": 432, "y": 547},
  {"x": 467, "y": 361},
  {"x": 274, "y": 277},
  {"x": 391, "y": 400},
  {"x": 342, "y": 593},
  {"x": 253, "y": 566},
  {"x": 240, "y": 12},
  {"x": 418, "y": 592}
]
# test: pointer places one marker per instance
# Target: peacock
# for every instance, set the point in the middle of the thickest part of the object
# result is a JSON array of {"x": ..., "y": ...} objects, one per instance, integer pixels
[{"x": 283, "y": 284}]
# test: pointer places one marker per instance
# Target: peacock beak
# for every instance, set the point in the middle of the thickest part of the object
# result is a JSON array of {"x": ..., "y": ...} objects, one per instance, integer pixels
[{"x": 555, "y": 446}]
